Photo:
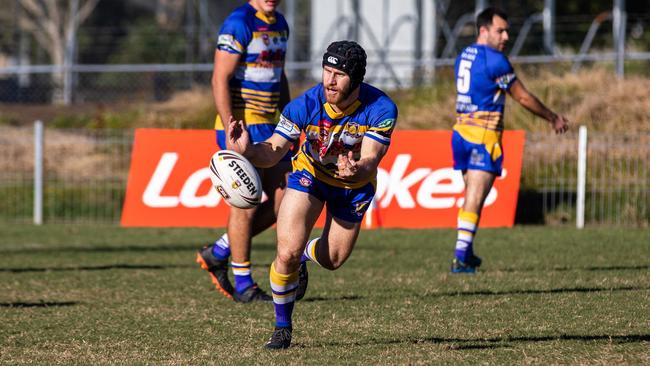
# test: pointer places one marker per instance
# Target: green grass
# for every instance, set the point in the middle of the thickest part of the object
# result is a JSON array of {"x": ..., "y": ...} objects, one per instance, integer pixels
[{"x": 103, "y": 295}]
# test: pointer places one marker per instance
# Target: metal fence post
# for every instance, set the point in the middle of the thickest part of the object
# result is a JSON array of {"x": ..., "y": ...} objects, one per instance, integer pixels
[
  {"x": 434, "y": 40},
  {"x": 549, "y": 26},
  {"x": 479, "y": 6},
  {"x": 38, "y": 172},
  {"x": 582, "y": 177},
  {"x": 620, "y": 19},
  {"x": 417, "y": 47},
  {"x": 70, "y": 51}
]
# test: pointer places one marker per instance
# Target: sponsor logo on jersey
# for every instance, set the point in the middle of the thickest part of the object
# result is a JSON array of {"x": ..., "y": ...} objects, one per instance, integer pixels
[
  {"x": 305, "y": 182},
  {"x": 285, "y": 125},
  {"x": 323, "y": 137},
  {"x": 505, "y": 80},
  {"x": 352, "y": 130},
  {"x": 477, "y": 158},
  {"x": 387, "y": 123},
  {"x": 227, "y": 40},
  {"x": 360, "y": 208}
]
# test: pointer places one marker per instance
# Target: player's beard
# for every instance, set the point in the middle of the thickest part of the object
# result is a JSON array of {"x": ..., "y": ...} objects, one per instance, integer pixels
[
  {"x": 341, "y": 95},
  {"x": 497, "y": 44}
]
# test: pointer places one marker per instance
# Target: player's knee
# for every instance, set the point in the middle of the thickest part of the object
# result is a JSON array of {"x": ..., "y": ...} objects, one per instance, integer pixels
[
  {"x": 289, "y": 258},
  {"x": 240, "y": 214},
  {"x": 337, "y": 262},
  {"x": 333, "y": 262}
]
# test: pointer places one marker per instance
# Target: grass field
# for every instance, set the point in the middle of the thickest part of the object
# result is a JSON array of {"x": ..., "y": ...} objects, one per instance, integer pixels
[{"x": 104, "y": 295}]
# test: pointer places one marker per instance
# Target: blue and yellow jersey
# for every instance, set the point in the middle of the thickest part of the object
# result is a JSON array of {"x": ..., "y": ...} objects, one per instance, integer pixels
[
  {"x": 328, "y": 133},
  {"x": 483, "y": 76},
  {"x": 255, "y": 87}
]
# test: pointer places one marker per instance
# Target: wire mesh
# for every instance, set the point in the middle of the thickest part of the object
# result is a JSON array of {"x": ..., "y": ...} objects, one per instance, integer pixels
[
  {"x": 86, "y": 175},
  {"x": 617, "y": 186}
]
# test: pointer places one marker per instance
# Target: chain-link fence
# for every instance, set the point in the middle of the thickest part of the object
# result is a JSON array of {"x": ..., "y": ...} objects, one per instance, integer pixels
[
  {"x": 144, "y": 60},
  {"x": 86, "y": 173},
  {"x": 617, "y": 179}
]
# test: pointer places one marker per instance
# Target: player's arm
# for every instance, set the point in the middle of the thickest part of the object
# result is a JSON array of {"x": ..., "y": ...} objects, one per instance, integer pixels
[
  {"x": 372, "y": 152},
  {"x": 264, "y": 154},
  {"x": 225, "y": 64},
  {"x": 519, "y": 93}
]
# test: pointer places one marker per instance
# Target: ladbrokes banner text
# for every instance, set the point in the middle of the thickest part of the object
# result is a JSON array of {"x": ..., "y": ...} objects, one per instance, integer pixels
[{"x": 169, "y": 184}]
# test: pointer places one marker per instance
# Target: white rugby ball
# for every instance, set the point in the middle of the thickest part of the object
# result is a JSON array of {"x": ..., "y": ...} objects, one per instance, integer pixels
[{"x": 236, "y": 179}]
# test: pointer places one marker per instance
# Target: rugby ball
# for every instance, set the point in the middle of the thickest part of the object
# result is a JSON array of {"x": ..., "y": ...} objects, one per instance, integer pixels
[{"x": 236, "y": 179}]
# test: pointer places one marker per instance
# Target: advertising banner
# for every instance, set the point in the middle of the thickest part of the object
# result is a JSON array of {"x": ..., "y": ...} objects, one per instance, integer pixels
[{"x": 169, "y": 182}]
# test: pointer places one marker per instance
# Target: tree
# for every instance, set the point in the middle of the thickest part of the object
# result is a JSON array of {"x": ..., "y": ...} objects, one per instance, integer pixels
[
  {"x": 53, "y": 24},
  {"x": 169, "y": 13}
]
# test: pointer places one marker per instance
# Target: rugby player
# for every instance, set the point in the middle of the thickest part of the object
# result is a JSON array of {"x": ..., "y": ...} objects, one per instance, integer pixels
[
  {"x": 348, "y": 126},
  {"x": 249, "y": 83},
  {"x": 483, "y": 77}
]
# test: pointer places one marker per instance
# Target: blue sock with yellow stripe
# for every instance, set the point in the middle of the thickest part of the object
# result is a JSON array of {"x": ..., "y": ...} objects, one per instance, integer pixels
[
  {"x": 311, "y": 251},
  {"x": 467, "y": 225},
  {"x": 283, "y": 287},
  {"x": 243, "y": 277}
]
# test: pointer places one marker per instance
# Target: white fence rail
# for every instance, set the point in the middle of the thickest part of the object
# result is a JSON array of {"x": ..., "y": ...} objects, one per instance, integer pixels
[{"x": 84, "y": 175}]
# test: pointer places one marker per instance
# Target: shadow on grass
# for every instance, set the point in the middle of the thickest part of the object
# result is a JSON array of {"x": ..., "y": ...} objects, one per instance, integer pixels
[
  {"x": 524, "y": 292},
  {"x": 95, "y": 268},
  {"x": 495, "y": 342},
  {"x": 340, "y": 298},
  {"x": 589, "y": 269},
  {"x": 262, "y": 247},
  {"x": 450, "y": 344},
  {"x": 37, "y": 304}
]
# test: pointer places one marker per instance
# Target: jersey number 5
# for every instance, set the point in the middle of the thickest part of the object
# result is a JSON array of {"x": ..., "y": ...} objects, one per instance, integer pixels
[{"x": 462, "y": 83}]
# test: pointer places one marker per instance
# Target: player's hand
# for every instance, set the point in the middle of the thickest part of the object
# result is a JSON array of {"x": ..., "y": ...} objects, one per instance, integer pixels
[
  {"x": 347, "y": 166},
  {"x": 238, "y": 139},
  {"x": 560, "y": 124}
]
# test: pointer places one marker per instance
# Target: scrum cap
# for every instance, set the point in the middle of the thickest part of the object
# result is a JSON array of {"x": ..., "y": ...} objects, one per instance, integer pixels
[{"x": 348, "y": 57}]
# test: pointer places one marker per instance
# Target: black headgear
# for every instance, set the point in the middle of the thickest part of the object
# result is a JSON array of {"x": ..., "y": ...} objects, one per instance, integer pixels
[{"x": 348, "y": 57}]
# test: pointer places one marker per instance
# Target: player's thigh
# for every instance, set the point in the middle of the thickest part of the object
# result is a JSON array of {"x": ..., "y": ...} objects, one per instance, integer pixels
[
  {"x": 298, "y": 214},
  {"x": 339, "y": 237}
]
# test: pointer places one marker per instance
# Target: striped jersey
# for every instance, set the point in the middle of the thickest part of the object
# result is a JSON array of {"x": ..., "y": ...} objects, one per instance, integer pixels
[
  {"x": 483, "y": 76},
  {"x": 329, "y": 133},
  {"x": 255, "y": 87}
]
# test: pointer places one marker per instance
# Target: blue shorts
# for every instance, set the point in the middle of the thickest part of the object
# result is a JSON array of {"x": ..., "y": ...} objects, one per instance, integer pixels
[
  {"x": 258, "y": 133},
  {"x": 468, "y": 155},
  {"x": 343, "y": 203}
]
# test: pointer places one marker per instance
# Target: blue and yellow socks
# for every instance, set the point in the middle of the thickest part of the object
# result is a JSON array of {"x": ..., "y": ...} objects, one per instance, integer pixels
[
  {"x": 283, "y": 287},
  {"x": 221, "y": 248},
  {"x": 311, "y": 251},
  {"x": 467, "y": 225},
  {"x": 243, "y": 277}
]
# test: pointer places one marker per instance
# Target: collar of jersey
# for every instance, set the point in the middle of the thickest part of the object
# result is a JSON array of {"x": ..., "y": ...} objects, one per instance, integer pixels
[
  {"x": 348, "y": 111},
  {"x": 265, "y": 19}
]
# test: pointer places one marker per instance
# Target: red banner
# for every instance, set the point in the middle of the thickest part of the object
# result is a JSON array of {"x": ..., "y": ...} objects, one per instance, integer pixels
[{"x": 169, "y": 184}]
